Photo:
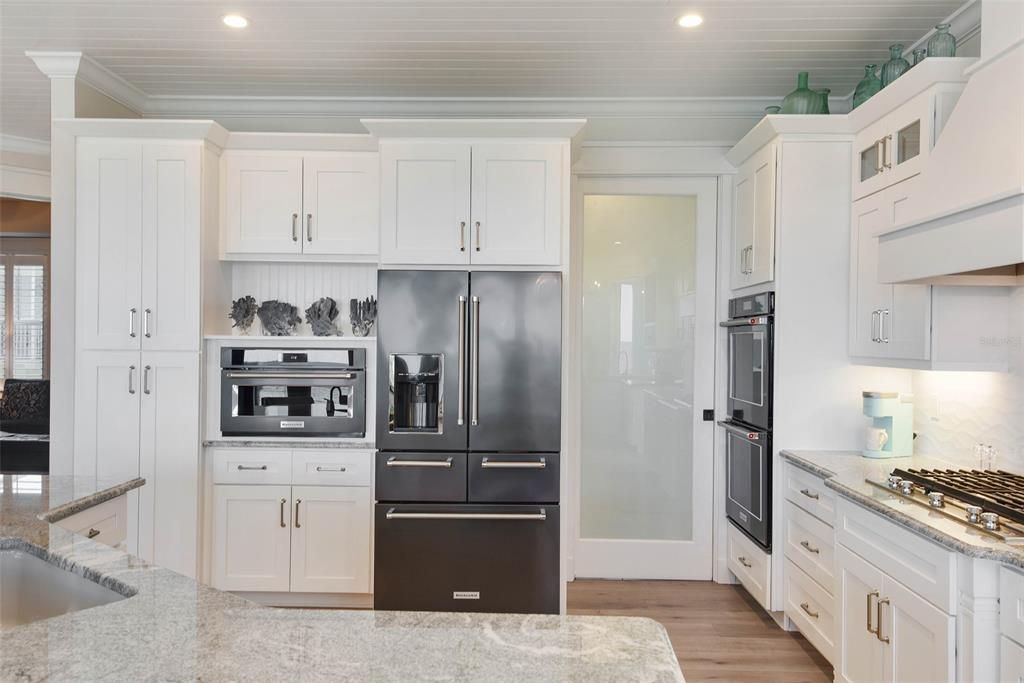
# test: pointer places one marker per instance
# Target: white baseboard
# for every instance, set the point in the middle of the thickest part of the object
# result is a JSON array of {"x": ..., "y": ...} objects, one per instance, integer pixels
[{"x": 328, "y": 600}]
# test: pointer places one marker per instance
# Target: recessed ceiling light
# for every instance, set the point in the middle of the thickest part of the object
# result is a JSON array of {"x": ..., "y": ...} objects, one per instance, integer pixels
[
  {"x": 690, "y": 20},
  {"x": 235, "y": 20},
  {"x": 618, "y": 242}
]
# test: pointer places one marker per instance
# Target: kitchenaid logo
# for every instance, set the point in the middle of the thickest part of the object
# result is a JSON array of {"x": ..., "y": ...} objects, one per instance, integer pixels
[
  {"x": 466, "y": 595},
  {"x": 292, "y": 424}
]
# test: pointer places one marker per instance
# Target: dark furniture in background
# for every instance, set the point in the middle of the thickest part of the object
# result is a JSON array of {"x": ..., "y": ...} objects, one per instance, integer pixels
[{"x": 25, "y": 426}]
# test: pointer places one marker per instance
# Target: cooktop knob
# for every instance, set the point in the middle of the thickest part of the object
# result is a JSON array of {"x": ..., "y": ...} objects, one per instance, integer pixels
[
  {"x": 894, "y": 482},
  {"x": 973, "y": 514},
  {"x": 937, "y": 499},
  {"x": 906, "y": 487},
  {"x": 990, "y": 521}
]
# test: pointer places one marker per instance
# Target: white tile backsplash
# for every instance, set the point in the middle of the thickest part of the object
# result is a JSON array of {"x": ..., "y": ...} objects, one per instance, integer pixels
[
  {"x": 955, "y": 410},
  {"x": 301, "y": 284}
]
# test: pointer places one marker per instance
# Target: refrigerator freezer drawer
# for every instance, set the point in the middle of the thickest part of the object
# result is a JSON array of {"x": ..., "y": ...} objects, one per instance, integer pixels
[
  {"x": 466, "y": 558},
  {"x": 513, "y": 478},
  {"x": 421, "y": 477}
]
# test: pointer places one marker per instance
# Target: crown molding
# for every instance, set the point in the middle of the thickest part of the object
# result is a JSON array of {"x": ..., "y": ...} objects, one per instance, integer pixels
[
  {"x": 56, "y": 63},
  {"x": 113, "y": 86},
  {"x": 15, "y": 143}
]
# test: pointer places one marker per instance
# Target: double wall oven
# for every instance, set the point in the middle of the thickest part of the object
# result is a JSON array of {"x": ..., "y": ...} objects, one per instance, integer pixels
[{"x": 748, "y": 429}]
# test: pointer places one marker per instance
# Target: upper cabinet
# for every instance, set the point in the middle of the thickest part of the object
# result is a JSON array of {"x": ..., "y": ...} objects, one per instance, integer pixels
[
  {"x": 285, "y": 203},
  {"x": 895, "y": 147},
  {"x": 138, "y": 246},
  {"x": 458, "y": 203},
  {"x": 753, "y": 253}
]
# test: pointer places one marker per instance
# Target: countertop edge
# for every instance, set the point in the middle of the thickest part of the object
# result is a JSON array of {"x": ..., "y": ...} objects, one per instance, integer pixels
[
  {"x": 70, "y": 508},
  {"x": 315, "y": 444},
  {"x": 806, "y": 465}
]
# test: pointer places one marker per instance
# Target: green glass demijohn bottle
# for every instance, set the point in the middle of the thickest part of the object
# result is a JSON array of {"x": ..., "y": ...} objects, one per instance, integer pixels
[
  {"x": 896, "y": 66},
  {"x": 942, "y": 43},
  {"x": 868, "y": 86},
  {"x": 919, "y": 56},
  {"x": 803, "y": 100},
  {"x": 823, "y": 94}
]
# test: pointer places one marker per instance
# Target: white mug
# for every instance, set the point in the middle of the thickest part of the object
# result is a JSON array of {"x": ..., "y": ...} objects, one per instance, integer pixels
[{"x": 875, "y": 438}]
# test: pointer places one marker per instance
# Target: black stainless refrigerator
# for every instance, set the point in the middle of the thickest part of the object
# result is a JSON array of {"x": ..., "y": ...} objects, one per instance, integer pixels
[{"x": 468, "y": 430}]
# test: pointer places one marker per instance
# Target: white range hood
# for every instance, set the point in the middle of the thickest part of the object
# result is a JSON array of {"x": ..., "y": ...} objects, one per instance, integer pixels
[{"x": 966, "y": 222}]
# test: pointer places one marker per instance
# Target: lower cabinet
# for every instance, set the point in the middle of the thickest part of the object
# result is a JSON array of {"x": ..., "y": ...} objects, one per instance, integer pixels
[
  {"x": 252, "y": 538},
  {"x": 104, "y": 523},
  {"x": 887, "y": 632}
]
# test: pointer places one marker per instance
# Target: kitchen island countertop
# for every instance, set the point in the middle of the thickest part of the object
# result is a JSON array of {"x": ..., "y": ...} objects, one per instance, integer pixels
[{"x": 174, "y": 628}]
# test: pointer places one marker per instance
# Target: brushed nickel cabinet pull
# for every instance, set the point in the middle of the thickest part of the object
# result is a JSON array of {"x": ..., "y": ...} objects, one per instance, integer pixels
[
  {"x": 744, "y": 562},
  {"x": 131, "y": 322},
  {"x": 867, "y": 613},
  {"x": 806, "y": 607},
  {"x": 242, "y": 468},
  {"x": 807, "y": 492},
  {"x": 298, "y": 501},
  {"x": 886, "y": 151},
  {"x": 146, "y": 315},
  {"x": 478, "y": 235},
  {"x": 875, "y": 317},
  {"x": 295, "y": 227},
  {"x": 145, "y": 379},
  {"x": 93, "y": 533},
  {"x": 881, "y": 327},
  {"x": 309, "y": 227},
  {"x": 131, "y": 379},
  {"x": 283, "y": 501},
  {"x": 809, "y": 548},
  {"x": 330, "y": 469},
  {"x": 462, "y": 235},
  {"x": 878, "y": 617}
]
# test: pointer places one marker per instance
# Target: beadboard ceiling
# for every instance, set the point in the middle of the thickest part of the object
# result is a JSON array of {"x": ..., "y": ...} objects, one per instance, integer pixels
[{"x": 178, "y": 51}]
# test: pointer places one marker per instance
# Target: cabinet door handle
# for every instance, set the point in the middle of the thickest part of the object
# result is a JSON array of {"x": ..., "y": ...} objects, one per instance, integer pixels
[
  {"x": 298, "y": 501},
  {"x": 878, "y": 618},
  {"x": 93, "y": 533},
  {"x": 806, "y": 607},
  {"x": 812, "y": 496},
  {"x": 462, "y": 235},
  {"x": 874, "y": 326},
  {"x": 131, "y": 322},
  {"x": 295, "y": 227},
  {"x": 478, "y": 235},
  {"x": 283, "y": 501},
  {"x": 394, "y": 462},
  {"x": 330, "y": 469},
  {"x": 540, "y": 464},
  {"x": 146, "y": 315},
  {"x": 883, "y": 336},
  {"x": 261, "y": 468},
  {"x": 867, "y": 612},
  {"x": 809, "y": 548},
  {"x": 743, "y": 560},
  {"x": 145, "y": 379},
  {"x": 879, "y": 155},
  {"x": 309, "y": 227},
  {"x": 886, "y": 151},
  {"x": 131, "y": 379}
]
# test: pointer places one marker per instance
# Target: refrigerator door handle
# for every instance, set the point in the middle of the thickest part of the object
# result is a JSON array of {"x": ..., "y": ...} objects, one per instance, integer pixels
[
  {"x": 487, "y": 463},
  {"x": 539, "y": 516},
  {"x": 474, "y": 373},
  {"x": 462, "y": 360}
]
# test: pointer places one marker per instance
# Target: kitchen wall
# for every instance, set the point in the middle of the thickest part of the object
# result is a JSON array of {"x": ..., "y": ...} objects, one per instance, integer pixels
[
  {"x": 300, "y": 284},
  {"x": 955, "y": 410}
]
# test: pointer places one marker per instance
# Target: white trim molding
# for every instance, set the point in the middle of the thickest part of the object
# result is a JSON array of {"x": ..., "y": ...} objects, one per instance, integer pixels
[
  {"x": 20, "y": 145},
  {"x": 56, "y": 63},
  {"x": 113, "y": 86},
  {"x": 24, "y": 183}
]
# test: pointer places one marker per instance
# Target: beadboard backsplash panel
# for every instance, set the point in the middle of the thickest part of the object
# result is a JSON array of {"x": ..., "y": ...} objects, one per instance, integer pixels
[
  {"x": 953, "y": 411},
  {"x": 301, "y": 284}
]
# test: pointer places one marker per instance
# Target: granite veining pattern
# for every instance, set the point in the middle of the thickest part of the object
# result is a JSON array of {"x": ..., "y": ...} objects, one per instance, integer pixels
[
  {"x": 172, "y": 628},
  {"x": 287, "y": 443},
  {"x": 845, "y": 472}
]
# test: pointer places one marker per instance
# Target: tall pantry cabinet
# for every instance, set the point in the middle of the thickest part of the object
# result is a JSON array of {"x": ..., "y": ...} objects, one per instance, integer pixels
[{"x": 144, "y": 209}]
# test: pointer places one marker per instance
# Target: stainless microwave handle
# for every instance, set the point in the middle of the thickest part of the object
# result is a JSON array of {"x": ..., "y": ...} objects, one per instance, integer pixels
[
  {"x": 747, "y": 322},
  {"x": 514, "y": 464},
  {"x": 462, "y": 360},
  {"x": 474, "y": 372},
  {"x": 394, "y": 462},
  {"x": 538, "y": 516},
  {"x": 741, "y": 431},
  {"x": 246, "y": 374}
]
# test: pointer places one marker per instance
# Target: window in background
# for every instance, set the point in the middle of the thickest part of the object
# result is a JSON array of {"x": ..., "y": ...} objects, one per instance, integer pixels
[{"x": 24, "y": 267}]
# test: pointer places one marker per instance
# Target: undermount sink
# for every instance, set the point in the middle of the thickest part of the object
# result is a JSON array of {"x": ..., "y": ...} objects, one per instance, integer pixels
[{"x": 32, "y": 589}]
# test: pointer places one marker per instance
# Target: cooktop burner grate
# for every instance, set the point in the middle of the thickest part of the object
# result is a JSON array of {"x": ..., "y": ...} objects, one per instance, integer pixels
[{"x": 994, "y": 490}]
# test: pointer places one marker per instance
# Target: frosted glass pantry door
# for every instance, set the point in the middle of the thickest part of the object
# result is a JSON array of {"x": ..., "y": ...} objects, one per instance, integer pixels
[{"x": 646, "y": 358}]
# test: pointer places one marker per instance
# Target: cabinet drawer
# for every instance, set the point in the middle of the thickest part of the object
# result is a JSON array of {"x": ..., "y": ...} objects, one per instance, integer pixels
[
  {"x": 516, "y": 478},
  {"x": 810, "y": 493},
  {"x": 1011, "y": 661},
  {"x": 331, "y": 468},
  {"x": 751, "y": 565},
  {"x": 905, "y": 556},
  {"x": 105, "y": 523},
  {"x": 251, "y": 466},
  {"x": 811, "y": 608},
  {"x": 1011, "y": 604},
  {"x": 810, "y": 545},
  {"x": 421, "y": 477}
]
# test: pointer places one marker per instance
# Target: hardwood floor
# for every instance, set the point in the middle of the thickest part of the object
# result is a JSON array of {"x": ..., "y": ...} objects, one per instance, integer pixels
[{"x": 719, "y": 633}]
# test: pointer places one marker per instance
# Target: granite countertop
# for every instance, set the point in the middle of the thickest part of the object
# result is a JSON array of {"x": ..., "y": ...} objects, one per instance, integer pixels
[
  {"x": 288, "y": 443},
  {"x": 173, "y": 628},
  {"x": 846, "y": 471}
]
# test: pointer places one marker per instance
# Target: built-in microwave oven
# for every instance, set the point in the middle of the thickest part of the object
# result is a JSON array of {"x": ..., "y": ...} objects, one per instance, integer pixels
[
  {"x": 751, "y": 338},
  {"x": 293, "y": 392}
]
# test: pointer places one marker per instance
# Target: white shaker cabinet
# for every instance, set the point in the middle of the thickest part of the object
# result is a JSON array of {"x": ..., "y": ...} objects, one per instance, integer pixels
[
  {"x": 858, "y": 588},
  {"x": 340, "y": 203},
  {"x": 753, "y": 260},
  {"x": 480, "y": 203},
  {"x": 331, "y": 539},
  {"x": 138, "y": 245},
  {"x": 425, "y": 195},
  {"x": 262, "y": 203},
  {"x": 251, "y": 538}
]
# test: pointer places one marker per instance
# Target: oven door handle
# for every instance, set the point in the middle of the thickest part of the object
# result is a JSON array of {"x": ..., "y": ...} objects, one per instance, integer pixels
[
  {"x": 539, "y": 516},
  {"x": 248, "y": 374},
  {"x": 394, "y": 462},
  {"x": 740, "y": 430},
  {"x": 747, "y": 322}
]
